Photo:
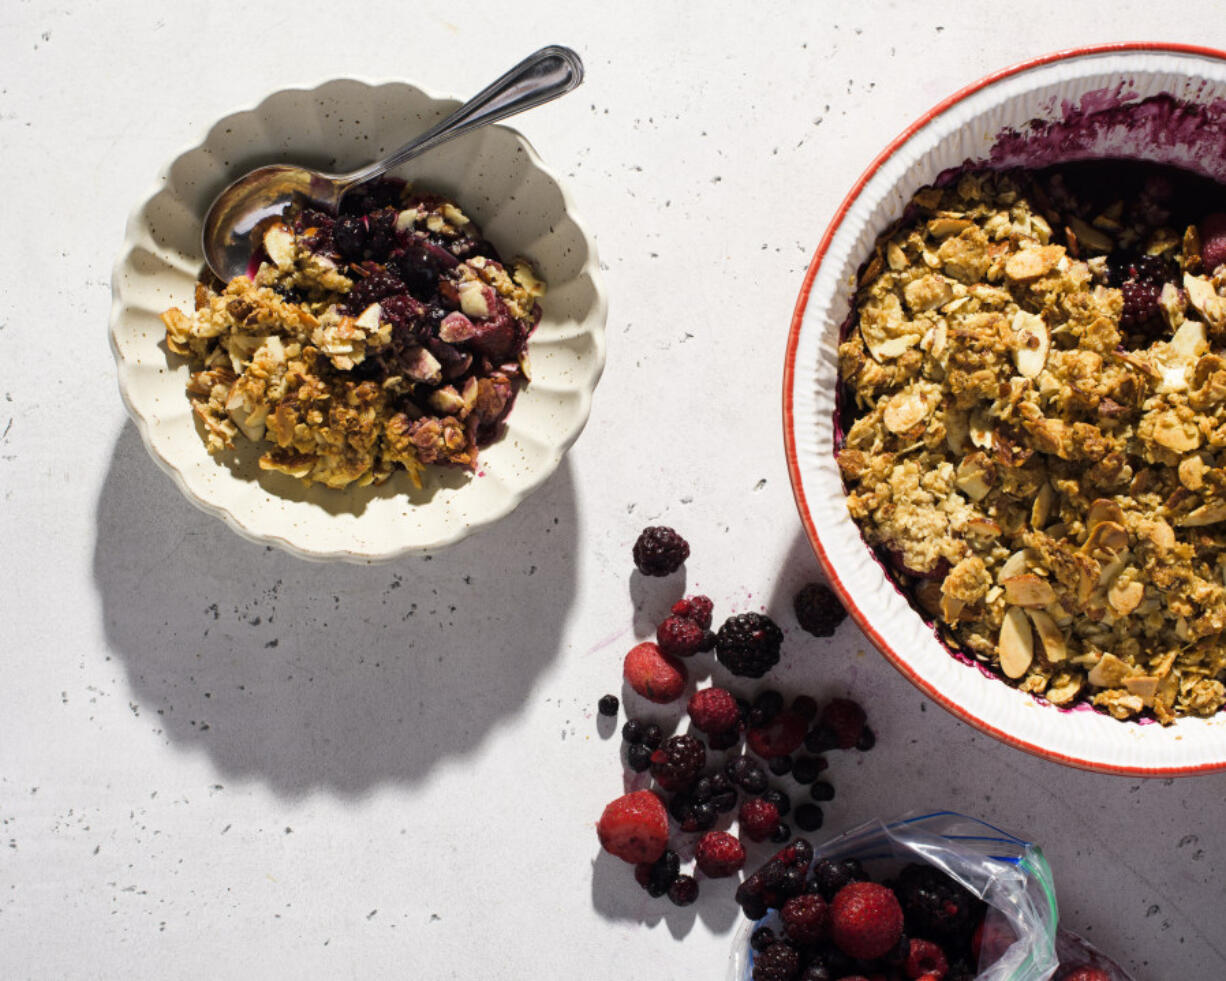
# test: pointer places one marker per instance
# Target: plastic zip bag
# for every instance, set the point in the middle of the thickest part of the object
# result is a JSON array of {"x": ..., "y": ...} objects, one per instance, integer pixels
[{"x": 1009, "y": 874}]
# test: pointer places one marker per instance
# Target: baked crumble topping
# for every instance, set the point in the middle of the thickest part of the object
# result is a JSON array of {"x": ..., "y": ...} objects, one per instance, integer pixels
[
  {"x": 391, "y": 336},
  {"x": 1035, "y": 386}
]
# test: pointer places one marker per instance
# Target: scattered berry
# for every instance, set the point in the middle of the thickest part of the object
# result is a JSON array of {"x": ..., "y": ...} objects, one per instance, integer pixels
[
  {"x": 765, "y": 706},
  {"x": 1213, "y": 241},
  {"x": 782, "y": 832},
  {"x": 633, "y": 731},
  {"x": 1088, "y": 973},
  {"x": 816, "y": 971},
  {"x": 779, "y": 765},
  {"x": 746, "y": 773},
  {"x": 865, "y": 920},
  {"x": 679, "y": 637},
  {"x": 638, "y": 757},
  {"x": 822, "y": 791},
  {"x": 634, "y": 827},
  {"x": 678, "y": 762},
  {"x": 1141, "y": 304},
  {"x": 804, "y": 918},
  {"x": 695, "y": 608},
  {"x": 805, "y": 707},
  {"x": 660, "y": 551},
  {"x": 808, "y": 817},
  {"x": 806, "y": 768},
  {"x": 653, "y": 735},
  {"x": 781, "y": 736},
  {"x": 657, "y": 876},
  {"x": 781, "y": 801},
  {"x": 867, "y": 740},
  {"x": 761, "y": 938},
  {"x": 818, "y": 610},
  {"x": 779, "y": 962},
  {"x": 748, "y": 644},
  {"x": 925, "y": 959},
  {"x": 830, "y": 877},
  {"x": 608, "y": 705},
  {"x": 713, "y": 710},
  {"x": 725, "y": 740},
  {"x": 719, "y": 854},
  {"x": 683, "y": 891},
  {"x": 845, "y": 719},
  {"x": 821, "y": 738},
  {"x": 935, "y": 905},
  {"x": 655, "y": 676},
  {"x": 758, "y": 818}
]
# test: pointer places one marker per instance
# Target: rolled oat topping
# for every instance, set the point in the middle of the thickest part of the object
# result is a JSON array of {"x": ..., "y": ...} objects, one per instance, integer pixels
[
  {"x": 389, "y": 337},
  {"x": 1036, "y": 389}
]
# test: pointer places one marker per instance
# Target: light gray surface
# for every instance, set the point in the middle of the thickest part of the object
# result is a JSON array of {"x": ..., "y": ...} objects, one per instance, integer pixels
[{"x": 218, "y": 761}]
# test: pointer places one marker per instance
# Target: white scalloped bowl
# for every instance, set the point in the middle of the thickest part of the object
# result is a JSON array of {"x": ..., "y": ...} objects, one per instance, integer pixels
[
  {"x": 982, "y": 123},
  {"x": 497, "y": 178}
]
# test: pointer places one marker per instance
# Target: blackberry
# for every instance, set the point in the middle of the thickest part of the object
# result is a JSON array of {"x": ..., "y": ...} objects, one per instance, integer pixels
[
  {"x": 660, "y": 551},
  {"x": 761, "y": 938},
  {"x": 678, "y": 762},
  {"x": 808, "y": 817},
  {"x": 638, "y": 757},
  {"x": 934, "y": 905},
  {"x": 833, "y": 876},
  {"x": 349, "y": 237},
  {"x": 683, "y": 891},
  {"x": 707, "y": 644},
  {"x": 633, "y": 731},
  {"x": 816, "y": 971},
  {"x": 804, "y": 918},
  {"x": 818, "y": 610},
  {"x": 779, "y": 962},
  {"x": 608, "y": 705},
  {"x": 1141, "y": 304},
  {"x": 748, "y": 644}
]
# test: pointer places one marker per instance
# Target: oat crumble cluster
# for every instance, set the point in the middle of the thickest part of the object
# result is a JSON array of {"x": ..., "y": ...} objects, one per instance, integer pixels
[
  {"x": 1039, "y": 439},
  {"x": 391, "y": 336}
]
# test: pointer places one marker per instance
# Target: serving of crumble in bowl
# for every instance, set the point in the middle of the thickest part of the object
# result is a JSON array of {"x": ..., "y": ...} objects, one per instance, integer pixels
[
  {"x": 1002, "y": 412},
  {"x": 384, "y": 383}
]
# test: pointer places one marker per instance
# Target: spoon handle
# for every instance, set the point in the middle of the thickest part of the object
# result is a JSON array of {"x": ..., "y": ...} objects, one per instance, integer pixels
[{"x": 548, "y": 73}]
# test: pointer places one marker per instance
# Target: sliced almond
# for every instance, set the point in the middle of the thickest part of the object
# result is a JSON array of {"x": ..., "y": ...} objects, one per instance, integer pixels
[
  {"x": 893, "y": 347},
  {"x": 1090, "y": 237},
  {"x": 1106, "y": 536},
  {"x": 1124, "y": 597},
  {"x": 279, "y": 244},
  {"x": 951, "y": 608},
  {"x": 1040, "y": 511},
  {"x": 984, "y": 528},
  {"x": 1144, "y": 686},
  {"x": 945, "y": 225},
  {"x": 1204, "y": 297},
  {"x": 368, "y": 319},
  {"x": 973, "y": 477},
  {"x": 1192, "y": 473},
  {"x": 1050, "y": 636},
  {"x": 1032, "y": 263},
  {"x": 905, "y": 410},
  {"x": 1029, "y": 590},
  {"x": 1104, "y": 509},
  {"x": 1109, "y": 672},
  {"x": 1159, "y": 534},
  {"x": 1206, "y": 514},
  {"x": 1013, "y": 566},
  {"x": 980, "y": 426},
  {"x": 1016, "y": 646},
  {"x": 1031, "y": 341}
]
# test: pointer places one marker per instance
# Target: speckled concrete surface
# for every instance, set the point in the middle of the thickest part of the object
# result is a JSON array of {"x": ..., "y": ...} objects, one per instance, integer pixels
[{"x": 217, "y": 761}]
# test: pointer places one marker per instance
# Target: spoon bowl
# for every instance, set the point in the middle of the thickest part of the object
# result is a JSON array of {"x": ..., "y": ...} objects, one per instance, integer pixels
[{"x": 238, "y": 211}]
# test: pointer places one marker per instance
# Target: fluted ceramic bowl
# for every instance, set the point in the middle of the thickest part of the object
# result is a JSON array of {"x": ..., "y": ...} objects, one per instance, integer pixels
[
  {"x": 1161, "y": 103},
  {"x": 523, "y": 209}
]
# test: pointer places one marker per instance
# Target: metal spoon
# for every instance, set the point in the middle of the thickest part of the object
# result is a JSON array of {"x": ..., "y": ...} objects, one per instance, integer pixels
[{"x": 236, "y": 211}]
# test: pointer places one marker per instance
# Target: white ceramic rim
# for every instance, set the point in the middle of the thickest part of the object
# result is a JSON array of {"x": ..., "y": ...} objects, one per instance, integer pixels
[
  {"x": 1085, "y": 739},
  {"x": 135, "y": 235}
]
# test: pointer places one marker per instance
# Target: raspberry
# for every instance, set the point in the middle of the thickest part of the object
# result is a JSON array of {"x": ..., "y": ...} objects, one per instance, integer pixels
[
  {"x": 679, "y": 637},
  {"x": 683, "y": 891},
  {"x": 748, "y": 644},
  {"x": 759, "y": 818},
  {"x": 1213, "y": 241},
  {"x": 924, "y": 958},
  {"x": 634, "y": 827},
  {"x": 779, "y": 962},
  {"x": 845, "y": 719},
  {"x": 678, "y": 762},
  {"x": 653, "y": 675},
  {"x": 865, "y": 920},
  {"x": 780, "y": 737},
  {"x": 936, "y": 905},
  {"x": 713, "y": 710},
  {"x": 718, "y": 855},
  {"x": 696, "y": 608},
  {"x": 1086, "y": 973},
  {"x": 804, "y": 918},
  {"x": 818, "y": 610},
  {"x": 660, "y": 551}
]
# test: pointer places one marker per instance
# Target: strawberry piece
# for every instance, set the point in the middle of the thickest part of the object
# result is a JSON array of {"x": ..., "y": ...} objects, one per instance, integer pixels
[
  {"x": 1213, "y": 241},
  {"x": 781, "y": 736},
  {"x": 634, "y": 827},
  {"x": 654, "y": 675},
  {"x": 713, "y": 710},
  {"x": 718, "y": 855},
  {"x": 865, "y": 920}
]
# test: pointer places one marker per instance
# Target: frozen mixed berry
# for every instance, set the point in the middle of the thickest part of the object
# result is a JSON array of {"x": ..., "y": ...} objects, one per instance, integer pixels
[
  {"x": 638, "y": 757},
  {"x": 657, "y": 876},
  {"x": 783, "y": 735},
  {"x": 935, "y": 905},
  {"x": 713, "y": 710},
  {"x": 634, "y": 827},
  {"x": 653, "y": 735},
  {"x": 817, "y": 971},
  {"x": 805, "y": 706},
  {"x": 719, "y": 854},
  {"x": 748, "y": 644},
  {"x": 691, "y": 814},
  {"x": 678, "y": 762},
  {"x": 654, "y": 675},
  {"x": 845, "y": 719},
  {"x": 808, "y": 817},
  {"x": 761, "y": 938},
  {"x": 818, "y": 610},
  {"x": 608, "y": 705},
  {"x": 683, "y": 891},
  {"x": 781, "y": 801},
  {"x": 725, "y": 740},
  {"x": 1213, "y": 241},
  {"x": 779, "y": 765},
  {"x": 804, "y": 918},
  {"x": 821, "y": 738},
  {"x": 805, "y": 769},
  {"x": 867, "y": 740},
  {"x": 1086, "y": 973},
  {"x": 765, "y": 706},
  {"x": 782, "y": 832},
  {"x": 632, "y": 731},
  {"x": 865, "y": 920},
  {"x": 758, "y": 818},
  {"x": 660, "y": 551},
  {"x": 822, "y": 791},
  {"x": 1142, "y": 304},
  {"x": 778, "y": 962},
  {"x": 679, "y": 637},
  {"x": 830, "y": 876},
  {"x": 924, "y": 958},
  {"x": 695, "y": 608},
  {"x": 746, "y": 773}
]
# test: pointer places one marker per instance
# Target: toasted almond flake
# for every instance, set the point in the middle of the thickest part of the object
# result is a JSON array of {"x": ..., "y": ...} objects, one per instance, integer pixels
[
  {"x": 893, "y": 347},
  {"x": 1192, "y": 473},
  {"x": 1206, "y": 514},
  {"x": 1028, "y": 590},
  {"x": 1055, "y": 649},
  {"x": 1032, "y": 263},
  {"x": 1158, "y": 533},
  {"x": 1031, "y": 341},
  {"x": 1104, "y": 509},
  {"x": 406, "y": 219},
  {"x": 1109, "y": 672},
  {"x": 944, "y": 226},
  {"x": 368, "y": 319},
  {"x": 279, "y": 244},
  {"x": 980, "y": 429},
  {"x": 1204, "y": 298},
  {"x": 1143, "y": 686},
  {"x": 1090, "y": 237},
  {"x": 972, "y": 479},
  {"x": 1013, "y": 566},
  {"x": 905, "y": 410},
  {"x": 1106, "y": 536},
  {"x": 1125, "y": 597},
  {"x": 1016, "y": 645},
  {"x": 983, "y": 528},
  {"x": 1040, "y": 511}
]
